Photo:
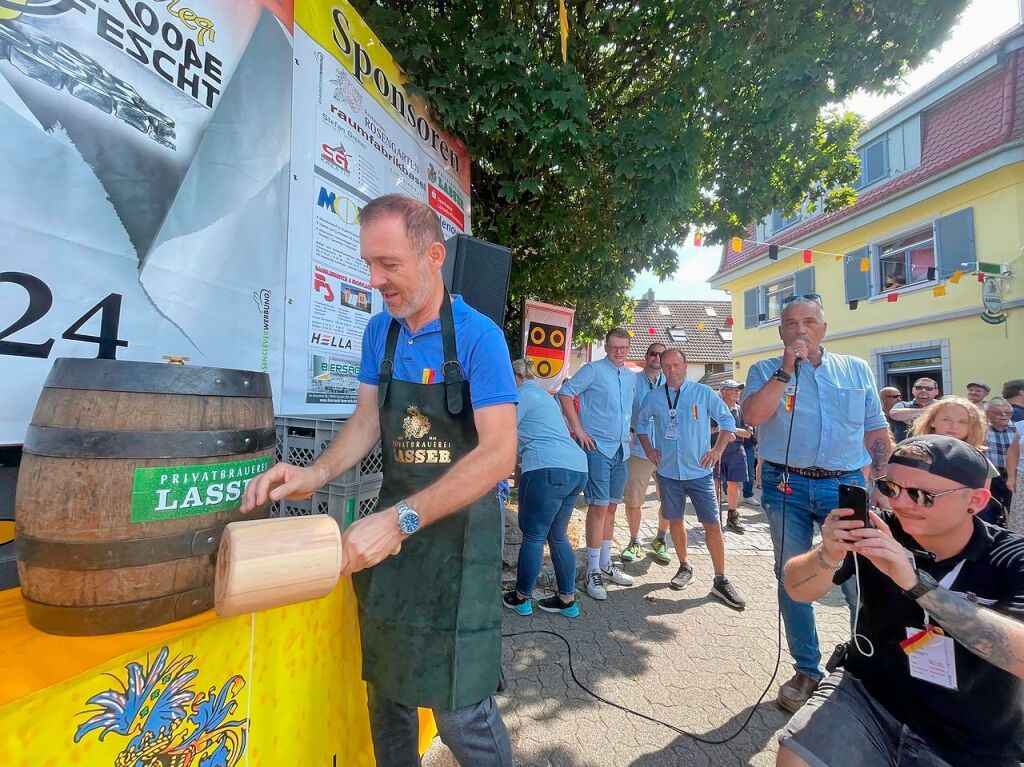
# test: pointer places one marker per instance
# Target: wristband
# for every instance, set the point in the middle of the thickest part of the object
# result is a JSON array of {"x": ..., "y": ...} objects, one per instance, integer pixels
[{"x": 781, "y": 375}]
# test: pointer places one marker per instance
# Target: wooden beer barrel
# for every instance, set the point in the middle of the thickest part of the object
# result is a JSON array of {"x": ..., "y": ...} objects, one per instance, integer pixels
[{"x": 129, "y": 474}]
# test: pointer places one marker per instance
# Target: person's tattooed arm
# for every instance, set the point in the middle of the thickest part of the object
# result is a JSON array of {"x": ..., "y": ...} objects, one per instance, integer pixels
[{"x": 988, "y": 634}]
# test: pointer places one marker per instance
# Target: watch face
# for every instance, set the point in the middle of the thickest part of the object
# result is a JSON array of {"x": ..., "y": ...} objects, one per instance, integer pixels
[{"x": 408, "y": 522}]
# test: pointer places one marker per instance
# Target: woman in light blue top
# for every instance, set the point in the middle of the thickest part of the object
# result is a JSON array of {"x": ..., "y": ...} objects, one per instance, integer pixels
[{"x": 554, "y": 471}]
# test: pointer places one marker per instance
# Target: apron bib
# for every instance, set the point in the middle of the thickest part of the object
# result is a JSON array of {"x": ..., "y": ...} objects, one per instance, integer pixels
[{"x": 430, "y": 617}]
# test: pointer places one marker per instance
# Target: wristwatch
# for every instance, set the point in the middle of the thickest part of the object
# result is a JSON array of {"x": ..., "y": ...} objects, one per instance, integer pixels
[
  {"x": 781, "y": 375},
  {"x": 925, "y": 583},
  {"x": 408, "y": 519}
]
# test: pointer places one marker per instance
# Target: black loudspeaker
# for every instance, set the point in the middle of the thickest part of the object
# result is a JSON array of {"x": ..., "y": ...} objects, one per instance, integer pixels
[{"x": 478, "y": 271}]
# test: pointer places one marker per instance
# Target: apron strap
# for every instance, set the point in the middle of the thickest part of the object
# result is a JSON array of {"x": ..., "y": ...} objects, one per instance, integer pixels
[
  {"x": 451, "y": 369},
  {"x": 387, "y": 366}
]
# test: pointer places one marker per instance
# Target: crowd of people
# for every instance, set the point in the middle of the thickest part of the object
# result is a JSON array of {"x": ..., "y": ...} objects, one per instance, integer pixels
[
  {"x": 939, "y": 564},
  {"x": 934, "y": 674}
]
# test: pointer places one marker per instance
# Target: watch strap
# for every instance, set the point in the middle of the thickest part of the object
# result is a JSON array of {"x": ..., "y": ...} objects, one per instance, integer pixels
[
  {"x": 925, "y": 583},
  {"x": 781, "y": 375}
]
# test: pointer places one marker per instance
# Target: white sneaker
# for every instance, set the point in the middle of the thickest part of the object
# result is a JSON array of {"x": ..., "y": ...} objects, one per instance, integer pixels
[
  {"x": 617, "y": 576},
  {"x": 595, "y": 588}
]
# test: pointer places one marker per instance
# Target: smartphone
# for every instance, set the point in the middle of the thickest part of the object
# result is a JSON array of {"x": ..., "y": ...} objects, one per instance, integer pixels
[{"x": 856, "y": 498}]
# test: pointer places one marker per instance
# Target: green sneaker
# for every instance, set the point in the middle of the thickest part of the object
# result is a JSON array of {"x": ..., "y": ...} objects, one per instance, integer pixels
[
  {"x": 631, "y": 553},
  {"x": 660, "y": 550}
]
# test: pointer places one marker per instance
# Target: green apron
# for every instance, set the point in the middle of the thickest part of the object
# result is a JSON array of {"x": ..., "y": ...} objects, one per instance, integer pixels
[{"x": 430, "y": 617}]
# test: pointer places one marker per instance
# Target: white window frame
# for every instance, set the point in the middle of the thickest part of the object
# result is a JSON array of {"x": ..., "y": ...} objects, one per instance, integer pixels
[
  {"x": 673, "y": 331},
  {"x": 879, "y": 293},
  {"x": 762, "y": 298}
]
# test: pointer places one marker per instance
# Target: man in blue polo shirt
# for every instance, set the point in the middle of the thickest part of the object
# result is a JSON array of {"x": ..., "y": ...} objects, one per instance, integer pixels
[
  {"x": 436, "y": 388},
  {"x": 605, "y": 389},
  {"x": 679, "y": 416},
  {"x": 819, "y": 423}
]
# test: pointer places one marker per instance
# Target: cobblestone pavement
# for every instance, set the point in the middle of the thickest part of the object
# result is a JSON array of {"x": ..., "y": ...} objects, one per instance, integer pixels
[{"x": 678, "y": 656}]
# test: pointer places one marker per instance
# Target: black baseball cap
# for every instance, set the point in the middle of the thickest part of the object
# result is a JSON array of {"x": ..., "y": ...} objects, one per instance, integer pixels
[{"x": 948, "y": 457}]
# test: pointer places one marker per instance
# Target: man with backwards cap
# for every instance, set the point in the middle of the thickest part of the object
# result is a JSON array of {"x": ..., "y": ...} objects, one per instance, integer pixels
[{"x": 934, "y": 677}]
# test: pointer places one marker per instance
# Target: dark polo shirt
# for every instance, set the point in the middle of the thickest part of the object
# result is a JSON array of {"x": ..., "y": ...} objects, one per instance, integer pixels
[{"x": 982, "y": 722}]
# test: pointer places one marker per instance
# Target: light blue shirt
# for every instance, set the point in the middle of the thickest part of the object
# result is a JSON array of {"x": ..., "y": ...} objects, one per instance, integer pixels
[
  {"x": 544, "y": 441},
  {"x": 836, "y": 403},
  {"x": 606, "y": 403},
  {"x": 697, "y": 405},
  {"x": 641, "y": 390}
]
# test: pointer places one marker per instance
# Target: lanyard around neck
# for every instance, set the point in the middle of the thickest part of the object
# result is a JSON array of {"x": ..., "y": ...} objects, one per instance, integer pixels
[{"x": 672, "y": 405}]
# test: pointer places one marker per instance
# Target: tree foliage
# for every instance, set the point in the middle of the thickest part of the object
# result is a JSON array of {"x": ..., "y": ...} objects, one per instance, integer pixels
[{"x": 669, "y": 115}]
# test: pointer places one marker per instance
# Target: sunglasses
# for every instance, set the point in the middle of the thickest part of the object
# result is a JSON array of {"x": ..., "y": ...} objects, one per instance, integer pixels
[
  {"x": 816, "y": 297},
  {"x": 922, "y": 498},
  {"x": 925, "y": 388},
  {"x": 653, "y": 354}
]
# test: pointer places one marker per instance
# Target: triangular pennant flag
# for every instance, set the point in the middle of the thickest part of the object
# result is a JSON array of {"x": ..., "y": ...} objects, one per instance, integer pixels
[
  {"x": 892, "y": 298},
  {"x": 737, "y": 244},
  {"x": 630, "y": 333},
  {"x": 931, "y": 273},
  {"x": 651, "y": 331},
  {"x": 762, "y": 317},
  {"x": 854, "y": 304},
  {"x": 563, "y": 28},
  {"x": 839, "y": 258},
  {"x": 728, "y": 322},
  {"x": 807, "y": 256},
  {"x": 981, "y": 276},
  {"x": 700, "y": 326},
  {"x": 955, "y": 278},
  {"x": 698, "y": 240},
  {"x": 939, "y": 290},
  {"x": 773, "y": 252},
  {"x": 865, "y": 264}
]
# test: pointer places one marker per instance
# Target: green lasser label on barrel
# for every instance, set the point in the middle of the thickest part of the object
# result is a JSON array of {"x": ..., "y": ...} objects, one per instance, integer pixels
[{"x": 169, "y": 492}]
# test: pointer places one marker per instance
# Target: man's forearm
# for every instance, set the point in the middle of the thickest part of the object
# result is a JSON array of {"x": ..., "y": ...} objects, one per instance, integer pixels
[
  {"x": 762, "y": 404},
  {"x": 569, "y": 411},
  {"x": 805, "y": 578},
  {"x": 724, "y": 438},
  {"x": 986, "y": 633},
  {"x": 879, "y": 446},
  {"x": 905, "y": 414},
  {"x": 475, "y": 475},
  {"x": 350, "y": 445}
]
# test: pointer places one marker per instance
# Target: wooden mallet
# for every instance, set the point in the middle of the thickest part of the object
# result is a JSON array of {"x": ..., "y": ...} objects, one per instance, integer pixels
[{"x": 265, "y": 563}]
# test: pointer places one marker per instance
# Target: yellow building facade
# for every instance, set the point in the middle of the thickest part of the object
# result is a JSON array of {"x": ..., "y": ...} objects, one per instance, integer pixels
[{"x": 898, "y": 272}]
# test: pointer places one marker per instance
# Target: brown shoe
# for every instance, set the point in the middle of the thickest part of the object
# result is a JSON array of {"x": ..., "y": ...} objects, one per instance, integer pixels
[{"x": 794, "y": 693}]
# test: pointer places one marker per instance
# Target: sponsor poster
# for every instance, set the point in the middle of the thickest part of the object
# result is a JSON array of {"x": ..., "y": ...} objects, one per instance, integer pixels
[
  {"x": 357, "y": 134},
  {"x": 547, "y": 342},
  {"x": 146, "y": 148}
]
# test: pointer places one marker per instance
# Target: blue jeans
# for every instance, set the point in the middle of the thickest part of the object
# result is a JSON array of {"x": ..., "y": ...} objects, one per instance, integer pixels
[
  {"x": 606, "y": 478},
  {"x": 748, "y": 486},
  {"x": 475, "y": 734},
  {"x": 808, "y": 504},
  {"x": 546, "y": 500}
]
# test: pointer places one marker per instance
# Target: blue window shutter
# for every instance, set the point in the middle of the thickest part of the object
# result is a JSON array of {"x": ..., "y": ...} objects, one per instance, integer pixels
[
  {"x": 858, "y": 283},
  {"x": 954, "y": 242},
  {"x": 803, "y": 281},
  {"x": 750, "y": 308}
]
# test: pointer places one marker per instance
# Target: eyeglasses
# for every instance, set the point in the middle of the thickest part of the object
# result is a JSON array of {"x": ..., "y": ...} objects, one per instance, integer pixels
[
  {"x": 653, "y": 354},
  {"x": 804, "y": 297},
  {"x": 925, "y": 388},
  {"x": 923, "y": 498}
]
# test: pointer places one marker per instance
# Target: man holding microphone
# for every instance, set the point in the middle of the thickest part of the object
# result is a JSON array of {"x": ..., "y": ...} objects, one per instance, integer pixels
[{"x": 820, "y": 423}]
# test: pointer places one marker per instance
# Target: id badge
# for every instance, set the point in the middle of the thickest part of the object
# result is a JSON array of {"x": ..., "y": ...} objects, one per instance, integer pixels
[
  {"x": 672, "y": 432},
  {"x": 934, "y": 660}
]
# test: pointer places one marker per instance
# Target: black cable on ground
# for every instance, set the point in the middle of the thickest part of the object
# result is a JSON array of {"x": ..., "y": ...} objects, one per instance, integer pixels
[{"x": 778, "y": 644}]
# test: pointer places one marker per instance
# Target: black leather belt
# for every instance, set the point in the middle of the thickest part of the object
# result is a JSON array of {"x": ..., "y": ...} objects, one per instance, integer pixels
[{"x": 811, "y": 472}]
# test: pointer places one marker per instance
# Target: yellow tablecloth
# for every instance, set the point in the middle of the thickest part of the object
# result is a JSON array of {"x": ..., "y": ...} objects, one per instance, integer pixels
[{"x": 276, "y": 688}]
